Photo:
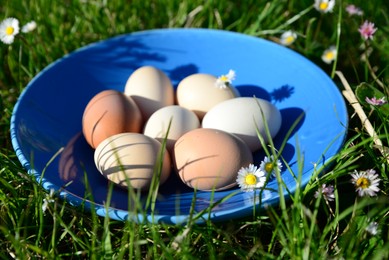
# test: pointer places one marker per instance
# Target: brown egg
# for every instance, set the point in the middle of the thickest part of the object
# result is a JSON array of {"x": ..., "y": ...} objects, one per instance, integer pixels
[
  {"x": 132, "y": 159},
  {"x": 108, "y": 113},
  {"x": 209, "y": 159}
]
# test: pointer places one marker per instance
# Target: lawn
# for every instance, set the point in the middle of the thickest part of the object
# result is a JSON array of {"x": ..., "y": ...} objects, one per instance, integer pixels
[{"x": 342, "y": 213}]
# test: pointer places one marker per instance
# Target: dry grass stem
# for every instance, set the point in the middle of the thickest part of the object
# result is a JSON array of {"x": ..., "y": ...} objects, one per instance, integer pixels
[{"x": 351, "y": 98}]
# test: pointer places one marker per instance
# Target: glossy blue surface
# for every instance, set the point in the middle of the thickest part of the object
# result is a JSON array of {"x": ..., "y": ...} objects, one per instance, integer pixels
[{"x": 46, "y": 123}]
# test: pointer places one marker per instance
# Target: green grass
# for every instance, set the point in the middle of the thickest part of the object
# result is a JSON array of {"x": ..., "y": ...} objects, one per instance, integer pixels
[{"x": 304, "y": 227}]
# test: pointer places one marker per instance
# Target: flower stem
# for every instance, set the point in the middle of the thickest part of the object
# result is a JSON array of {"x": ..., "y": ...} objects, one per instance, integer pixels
[
  {"x": 338, "y": 33},
  {"x": 371, "y": 70}
]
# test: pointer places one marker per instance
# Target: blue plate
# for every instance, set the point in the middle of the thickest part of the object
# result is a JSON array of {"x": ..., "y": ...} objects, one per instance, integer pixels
[{"x": 46, "y": 122}]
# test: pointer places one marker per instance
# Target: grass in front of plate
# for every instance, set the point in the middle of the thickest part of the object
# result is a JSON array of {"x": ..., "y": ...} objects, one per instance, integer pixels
[{"x": 305, "y": 227}]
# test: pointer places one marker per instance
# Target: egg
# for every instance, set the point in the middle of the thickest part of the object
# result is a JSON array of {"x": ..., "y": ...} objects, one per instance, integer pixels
[
  {"x": 172, "y": 120},
  {"x": 151, "y": 89},
  {"x": 108, "y": 113},
  {"x": 199, "y": 93},
  {"x": 209, "y": 159},
  {"x": 132, "y": 159},
  {"x": 242, "y": 117}
]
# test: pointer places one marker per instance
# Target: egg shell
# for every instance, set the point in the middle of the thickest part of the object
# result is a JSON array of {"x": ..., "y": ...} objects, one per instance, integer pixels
[
  {"x": 242, "y": 117},
  {"x": 108, "y": 113},
  {"x": 199, "y": 93},
  {"x": 180, "y": 119},
  {"x": 209, "y": 159},
  {"x": 151, "y": 89},
  {"x": 131, "y": 159}
]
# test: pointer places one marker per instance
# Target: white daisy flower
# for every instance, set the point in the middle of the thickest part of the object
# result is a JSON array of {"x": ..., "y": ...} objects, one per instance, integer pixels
[
  {"x": 49, "y": 199},
  {"x": 366, "y": 182},
  {"x": 225, "y": 81},
  {"x": 270, "y": 166},
  {"x": 372, "y": 228},
  {"x": 288, "y": 37},
  {"x": 329, "y": 55},
  {"x": 8, "y": 29},
  {"x": 250, "y": 178},
  {"x": 29, "y": 27},
  {"x": 324, "y": 6}
]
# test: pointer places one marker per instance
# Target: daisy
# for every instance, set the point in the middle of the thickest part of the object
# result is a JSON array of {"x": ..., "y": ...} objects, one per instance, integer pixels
[
  {"x": 270, "y": 166},
  {"x": 366, "y": 182},
  {"x": 225, "y": 81},
  {"x": 48, "y": 199},
  {"x": 8, "y": 29},
  {"x": 372, "y": 228},
  {"x": 29, "y": 27},
  {"x": 353, "y": 10},
  {"x": 326, "y": 191},
  {"x": 376, "y": 102},
  {"x": 288, "y": 37},
  {"x": 367, "y": 30},
  {"x": 324, "y": 6},
  {"x": 250, "y": 178},
  {"x": 329, "y": 55}
]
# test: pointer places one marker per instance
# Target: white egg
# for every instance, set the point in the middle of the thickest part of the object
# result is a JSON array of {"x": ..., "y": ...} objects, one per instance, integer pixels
[
  {"x": 150, "y": 88},
  {"x": 242, "y": 116},
  {"x": 179, "y": 119}
]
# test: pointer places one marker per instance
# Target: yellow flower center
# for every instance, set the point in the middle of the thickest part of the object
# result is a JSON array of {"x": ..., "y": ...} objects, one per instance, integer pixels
[
  {"x": 224, "y": 78},
  {"x": 363, "y": 183},
  {"x": 323, "y": 6},
  {"x": 289, "y": 39},
  {"x": 269, "y": 167},
  {"x": 250, "y": 179},
  {"x": 9, "y": 30},
  {"x": 330, "y": 55}
]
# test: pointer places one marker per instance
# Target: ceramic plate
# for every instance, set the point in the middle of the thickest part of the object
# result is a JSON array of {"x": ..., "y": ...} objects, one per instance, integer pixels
[{"x": 46, "y": 122}]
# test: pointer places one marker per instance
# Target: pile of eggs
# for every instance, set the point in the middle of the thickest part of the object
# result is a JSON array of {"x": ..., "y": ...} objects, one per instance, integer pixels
[{"x": 203, "y": 132}]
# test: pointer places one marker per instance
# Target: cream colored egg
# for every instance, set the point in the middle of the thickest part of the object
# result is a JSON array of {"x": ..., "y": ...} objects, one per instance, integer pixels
[
  {"x": 151, "y": 89},
  {"x": 242, "y": 116},
  {"x": 199, "y": 93},
  {"x": 131, "y": 159},
  {"x": 171, "y": 122}
]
